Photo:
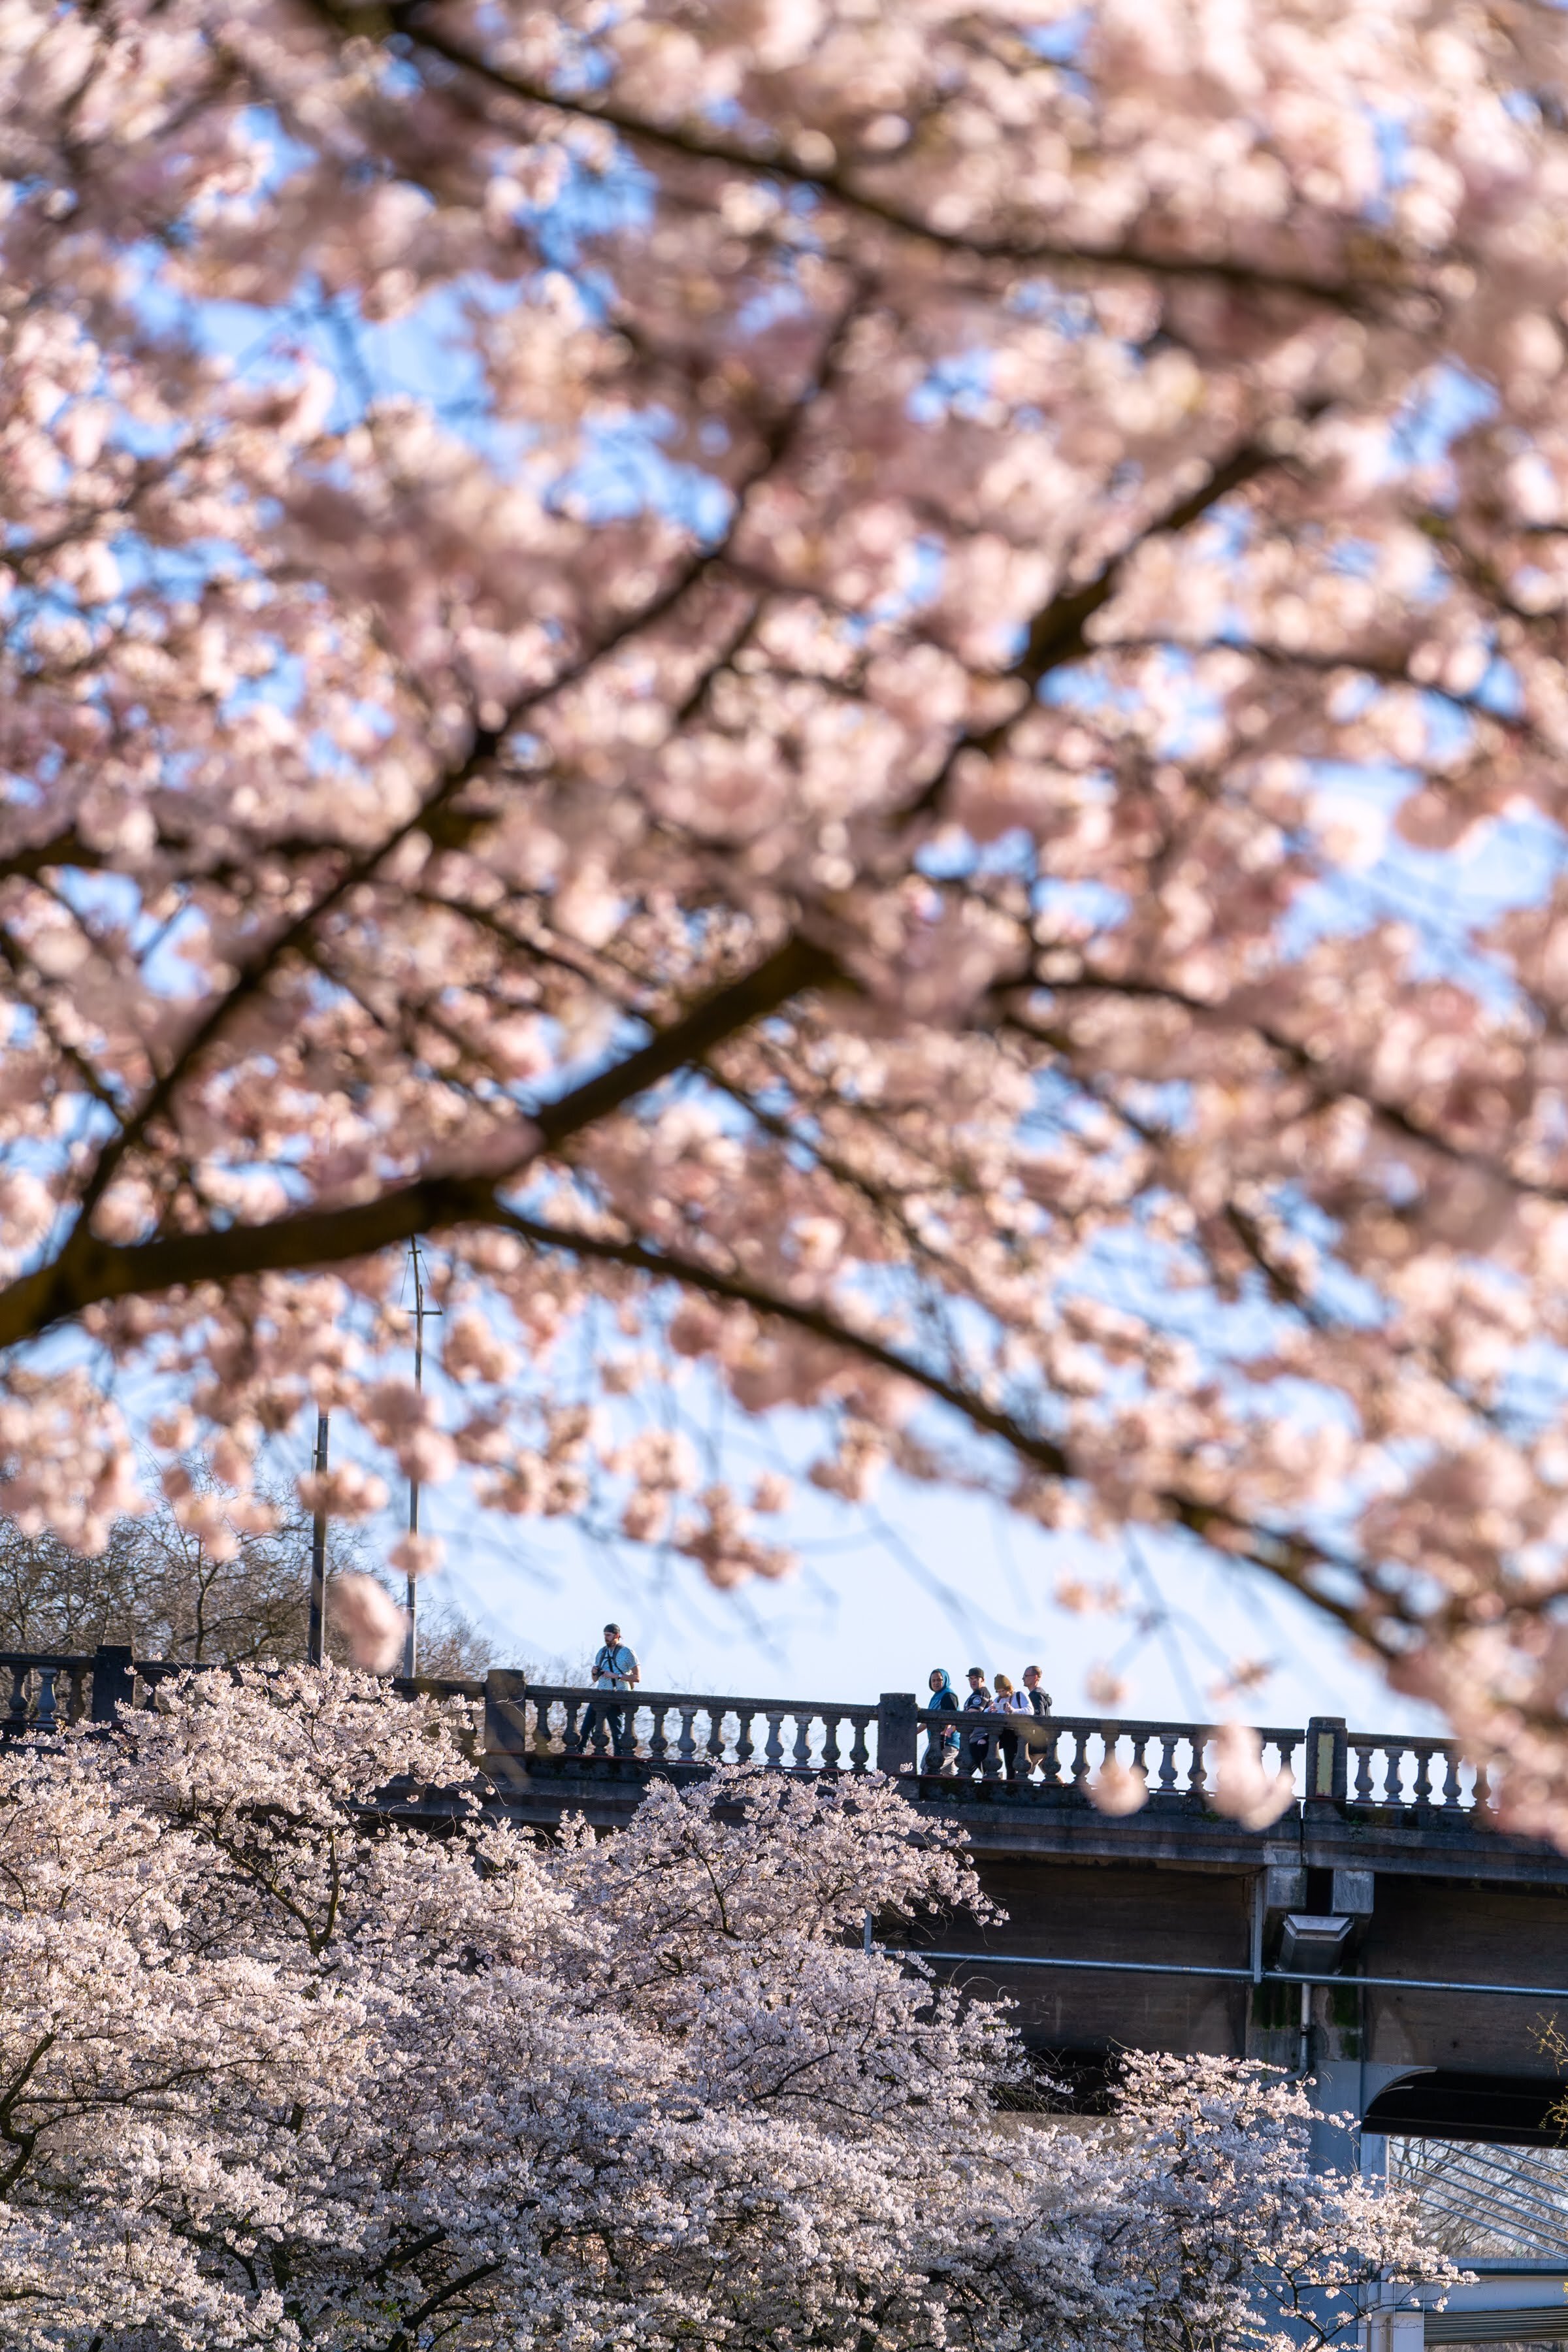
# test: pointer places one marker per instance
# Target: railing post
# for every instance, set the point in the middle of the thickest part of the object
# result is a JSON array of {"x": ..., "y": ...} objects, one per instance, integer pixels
[
  {"x": 1326, "y": 1760},
  {"x": 506, "y": 1712},
  {"x": 114, "y": 1680},
  {"x": 897, "y": 1731}
]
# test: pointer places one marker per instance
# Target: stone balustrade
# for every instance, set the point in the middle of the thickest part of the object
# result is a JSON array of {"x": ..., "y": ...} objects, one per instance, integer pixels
[{"x": 550, "y": 1731}]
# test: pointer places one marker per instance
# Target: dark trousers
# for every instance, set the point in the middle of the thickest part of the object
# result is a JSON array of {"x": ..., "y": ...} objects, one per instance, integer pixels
[{"x": 610, "y": 1711}]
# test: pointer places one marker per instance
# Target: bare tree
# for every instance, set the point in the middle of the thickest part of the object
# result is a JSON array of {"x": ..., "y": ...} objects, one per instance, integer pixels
[{"x": 158, "y": 1586}]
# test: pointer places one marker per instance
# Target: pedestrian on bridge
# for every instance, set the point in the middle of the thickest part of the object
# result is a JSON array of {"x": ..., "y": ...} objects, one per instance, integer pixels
[
  {"x": 616, "y": 1668},
  {"x": 1008, "y": 1701},
  {"x": 1040, "y": 1698},
  {"x": 977, "y": 1747},
  {"x": 941, "y": 1747}
]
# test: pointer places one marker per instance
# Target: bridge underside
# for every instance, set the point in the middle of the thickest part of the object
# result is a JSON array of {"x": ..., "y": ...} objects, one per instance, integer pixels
[
  {"x": 1487, "y": 2110},
  {"x": 1102, "y": 1954}
]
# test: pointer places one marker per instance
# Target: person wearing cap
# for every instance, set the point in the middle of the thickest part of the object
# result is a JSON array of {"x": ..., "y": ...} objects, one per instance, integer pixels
[
  {"x": 976, "y": 1746},
  {"x": 614, "y": 1668}
]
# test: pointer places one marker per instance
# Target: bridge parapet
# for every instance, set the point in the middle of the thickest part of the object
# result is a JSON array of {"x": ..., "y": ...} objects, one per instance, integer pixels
[{"x": 547, "y": 1730}]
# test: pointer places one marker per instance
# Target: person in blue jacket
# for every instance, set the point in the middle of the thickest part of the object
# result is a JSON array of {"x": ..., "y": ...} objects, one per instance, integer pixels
[{"x": 941, "y": 1747}]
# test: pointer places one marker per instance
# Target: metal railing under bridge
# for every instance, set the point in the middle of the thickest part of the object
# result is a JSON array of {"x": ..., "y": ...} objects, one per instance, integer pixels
[{"x": 554, "y": 1731}]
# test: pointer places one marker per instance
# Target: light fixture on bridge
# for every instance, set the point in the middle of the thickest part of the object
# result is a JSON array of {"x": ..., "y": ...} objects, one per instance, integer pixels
[{"x": 1310, "y": 1941}]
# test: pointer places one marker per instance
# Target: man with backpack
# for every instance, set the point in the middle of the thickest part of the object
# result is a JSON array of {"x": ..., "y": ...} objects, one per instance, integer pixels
[{"x": 614, "y": 1668}]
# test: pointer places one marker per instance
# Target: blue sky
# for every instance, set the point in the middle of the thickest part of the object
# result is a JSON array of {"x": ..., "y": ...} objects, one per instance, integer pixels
[{"x": 917, "y": 1577}]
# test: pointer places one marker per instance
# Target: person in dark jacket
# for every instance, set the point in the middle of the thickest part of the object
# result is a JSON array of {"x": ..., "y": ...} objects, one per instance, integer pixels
[
  {"x": 1040, "y": 1699},
  {"x": 977, "y": 1703},
  {"x": 941, "y": 1747}
]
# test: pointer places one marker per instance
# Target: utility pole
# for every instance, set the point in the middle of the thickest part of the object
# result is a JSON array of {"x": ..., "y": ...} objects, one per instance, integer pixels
[
  {"x": 411, "y": 1639},
  {"x": 318, "y": 1636}
]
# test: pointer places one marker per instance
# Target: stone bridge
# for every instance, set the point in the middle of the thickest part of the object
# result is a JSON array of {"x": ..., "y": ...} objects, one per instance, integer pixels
[{"x": 1381, "y": 1936}]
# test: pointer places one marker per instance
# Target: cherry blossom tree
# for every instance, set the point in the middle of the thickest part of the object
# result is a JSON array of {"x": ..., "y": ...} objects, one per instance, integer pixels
[
  {"x": 823, "y": 681},
  {"x": 279, "y": 2067}
]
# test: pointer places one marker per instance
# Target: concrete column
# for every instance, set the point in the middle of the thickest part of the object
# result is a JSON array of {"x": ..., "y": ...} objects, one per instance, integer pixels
[
  {"x": 896, "y": 1729},
  {"x": 1326, "y": 1761},
  {"x": 114, "y": 1680},
  {"x": 506, "y": 1723}
]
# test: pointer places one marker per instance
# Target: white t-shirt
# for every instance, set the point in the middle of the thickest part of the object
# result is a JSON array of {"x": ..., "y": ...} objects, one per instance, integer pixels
[{"x": 613, "y": 1667}]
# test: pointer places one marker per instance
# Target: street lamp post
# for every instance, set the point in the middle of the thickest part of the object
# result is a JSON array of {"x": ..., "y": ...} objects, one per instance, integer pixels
[
  {"x": 411, "y": 1638},
  {"x": 318, "y": 1632}
]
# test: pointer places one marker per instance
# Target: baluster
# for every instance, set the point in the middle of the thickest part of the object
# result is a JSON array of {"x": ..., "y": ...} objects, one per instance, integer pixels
[
  {"x": 1424, "y": 1756},
  {"x": 715, "y": 1741},
  {"x": 772, "y": 1747},
  {"x": 46, "y": 1713},
  {"x": 16, "y": 1714},
  {"x": 575, "y": 1732},
  {"x": 1080, "y": 1762},
  {"x": 802, "y": 1723},
  {"x": 1361, "y": 1787},
  {"x": 1051, "y": 1776},
  {"x": 743, "y": 1748},
  {"x": 1167, "y": 1783},
  {"x": 658, "y": 1745},
  {"x": 1198, "y": 1778},
  {"x": 1141, "y": 1753},
  {"x": 544, "y": 1739},
  {"x": 859, "y": 1754},
  {"x": 687, "y": 1746},
  {"x": 76, "y": 1697},
  {"x": 830, "y": 1724}
]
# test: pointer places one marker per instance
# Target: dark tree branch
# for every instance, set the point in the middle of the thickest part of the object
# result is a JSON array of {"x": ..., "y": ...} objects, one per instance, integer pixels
[
  {"x": 89, "y": 1271},
  {"x": 692, "y": 143}
]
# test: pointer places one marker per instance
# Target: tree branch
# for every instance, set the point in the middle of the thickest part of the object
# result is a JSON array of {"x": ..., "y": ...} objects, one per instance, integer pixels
[
  {"x": 90, "y": 1271},
  {"x": 691, "y": 144},
  {"x": 1057, "y": 635},
  {"x": 1283, "y": 1553}
]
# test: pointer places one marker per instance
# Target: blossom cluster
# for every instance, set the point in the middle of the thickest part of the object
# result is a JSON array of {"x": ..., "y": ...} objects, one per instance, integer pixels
[
  {"x": 853, "y": 777},
  {"x": 281, "y": 2064}
]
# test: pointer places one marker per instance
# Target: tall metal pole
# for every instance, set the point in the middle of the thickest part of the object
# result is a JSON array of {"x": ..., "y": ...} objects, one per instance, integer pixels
[
  {"x": 411, "y": 1639},
  {"x": 318, "y": 1634}
]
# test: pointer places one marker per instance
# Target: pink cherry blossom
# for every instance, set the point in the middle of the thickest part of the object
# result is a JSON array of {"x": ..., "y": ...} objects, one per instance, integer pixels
[
  {"x": 918, "y": 758},
  {"x": 368, "y": 1619},
  {"x": 282, "y": 2067}
]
